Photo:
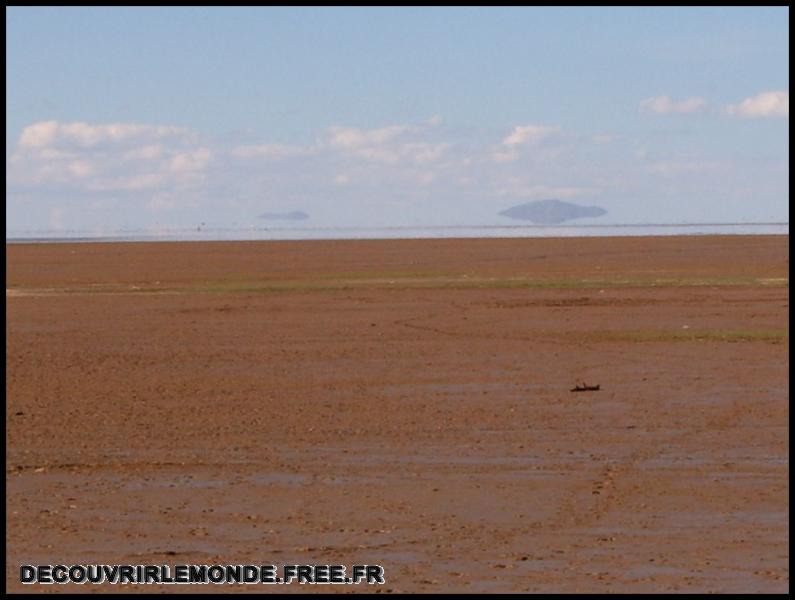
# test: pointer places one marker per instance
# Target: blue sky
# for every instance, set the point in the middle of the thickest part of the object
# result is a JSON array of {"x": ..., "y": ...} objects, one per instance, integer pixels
[{"x": 157, "y": 118}]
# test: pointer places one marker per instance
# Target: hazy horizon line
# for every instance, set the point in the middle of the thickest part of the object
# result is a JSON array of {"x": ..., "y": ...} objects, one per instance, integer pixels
[{"x": 563, "y": 230}]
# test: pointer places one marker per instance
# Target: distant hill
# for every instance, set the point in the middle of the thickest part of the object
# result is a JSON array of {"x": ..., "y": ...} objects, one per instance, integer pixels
[
  {"x": 551, "y": 212},
  {"x": 296, "y": 215}
]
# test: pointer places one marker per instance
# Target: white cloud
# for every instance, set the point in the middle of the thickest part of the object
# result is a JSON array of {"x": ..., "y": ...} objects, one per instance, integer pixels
[
  {"x": 522, "y": 136},
  {"x": 529, "y": 134},
  {"x": 393, "y": 144},
  {"x": 39, "y": 135},
  {"x": 81, "y": 168},
  {"x": 272, "y": 151},
  {"x": 51, "y": 133},
  {"x": 766, "y": 104},
  {"x": 190, "y": 161},
  {"x": 350, "y": 138},
  {"x": 125, "y": 157},
  {"x": 663, "y": 105}
]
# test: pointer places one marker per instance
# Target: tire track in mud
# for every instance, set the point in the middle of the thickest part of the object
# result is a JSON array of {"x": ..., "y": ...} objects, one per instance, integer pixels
[
  {"x": 61, "y": 292},
  {"x": 583, "y": 510},
  {"x": 562, "y": 338}
]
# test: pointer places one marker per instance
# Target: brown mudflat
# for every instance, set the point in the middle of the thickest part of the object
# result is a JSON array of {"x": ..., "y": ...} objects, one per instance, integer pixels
[{"x": 408, "y": 404}]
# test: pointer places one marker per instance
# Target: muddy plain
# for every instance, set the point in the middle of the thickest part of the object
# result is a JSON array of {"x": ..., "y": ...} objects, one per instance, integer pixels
[{"x": 405, "y": 403}]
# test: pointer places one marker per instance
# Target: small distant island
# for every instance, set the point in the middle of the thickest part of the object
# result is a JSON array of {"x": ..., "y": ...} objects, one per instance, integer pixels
[
  {"x": 295, "y": 215},
  {"x": 551, "y": 212}
]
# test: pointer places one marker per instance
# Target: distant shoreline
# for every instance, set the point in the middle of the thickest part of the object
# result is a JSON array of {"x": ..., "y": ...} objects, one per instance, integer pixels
[{"x": 398, "y": 232}]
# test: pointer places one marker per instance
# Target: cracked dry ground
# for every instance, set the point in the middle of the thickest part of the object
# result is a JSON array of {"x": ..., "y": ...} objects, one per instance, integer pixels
[{"x": 405, "y": 403}]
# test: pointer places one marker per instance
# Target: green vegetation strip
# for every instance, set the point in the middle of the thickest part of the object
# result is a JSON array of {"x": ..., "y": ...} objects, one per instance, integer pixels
[
  {"x": 399, "y": 281},
  {"x": 770, "y": 335},
  {"x": 464, "y": 282}
]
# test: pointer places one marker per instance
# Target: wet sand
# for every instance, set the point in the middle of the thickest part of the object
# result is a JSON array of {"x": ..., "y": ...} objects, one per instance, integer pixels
[{"x": 408, "y": 404}]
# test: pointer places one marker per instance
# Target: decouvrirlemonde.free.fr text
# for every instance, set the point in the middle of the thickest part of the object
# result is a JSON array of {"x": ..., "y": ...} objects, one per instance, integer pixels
[{"x": 201, "y": 574}]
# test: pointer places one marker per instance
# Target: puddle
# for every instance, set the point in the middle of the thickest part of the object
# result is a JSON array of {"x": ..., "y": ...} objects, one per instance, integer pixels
[
  {"x": 176, "y": 484},
  {"x": 281, "y": 479},
  {"x": 653, "y": 570}
]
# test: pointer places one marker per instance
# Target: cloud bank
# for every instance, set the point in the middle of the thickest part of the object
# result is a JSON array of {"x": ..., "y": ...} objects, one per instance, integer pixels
[
  {"x": 139, "y": 174},
  {"x": 766, "y": 104},
  {"x": 107, "y": 157}
]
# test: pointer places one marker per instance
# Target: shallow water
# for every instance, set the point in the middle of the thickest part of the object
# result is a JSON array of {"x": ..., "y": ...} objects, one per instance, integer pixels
[{"x": 463, "y": 231}]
